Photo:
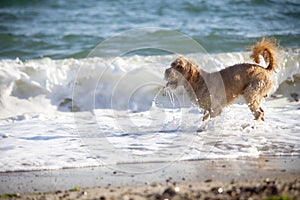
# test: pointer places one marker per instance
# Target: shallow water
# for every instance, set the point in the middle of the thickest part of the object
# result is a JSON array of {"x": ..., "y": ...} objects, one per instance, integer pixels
[{"x": 166, "y": 136}]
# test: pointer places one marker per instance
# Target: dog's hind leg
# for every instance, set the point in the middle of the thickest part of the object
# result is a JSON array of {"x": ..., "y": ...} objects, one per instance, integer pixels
[
  {"x": 256, "y": 110},
  {"x": 254, "y": 93},
  {"x": 253, "y": 99}
]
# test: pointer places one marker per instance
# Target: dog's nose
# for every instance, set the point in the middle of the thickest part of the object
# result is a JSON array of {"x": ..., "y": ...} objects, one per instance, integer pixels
[{"x": 167, "y": 72}]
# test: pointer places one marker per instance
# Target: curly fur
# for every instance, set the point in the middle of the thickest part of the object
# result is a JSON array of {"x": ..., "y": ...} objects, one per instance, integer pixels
[{"x": 214, "y": 91}]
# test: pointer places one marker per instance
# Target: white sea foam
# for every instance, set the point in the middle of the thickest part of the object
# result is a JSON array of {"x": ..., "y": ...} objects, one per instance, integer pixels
[
  {"x": 120, "y": 104},
  {"x": 46, "y": 85}
]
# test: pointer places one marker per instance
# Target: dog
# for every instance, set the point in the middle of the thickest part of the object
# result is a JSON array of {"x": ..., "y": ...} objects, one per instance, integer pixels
[{"x": 214, "y": 91}]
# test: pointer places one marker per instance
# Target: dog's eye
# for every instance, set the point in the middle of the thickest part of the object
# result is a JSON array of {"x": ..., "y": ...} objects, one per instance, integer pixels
[
  {"x": 178, "y": 67},
  {"x": 174, "y": 64}
]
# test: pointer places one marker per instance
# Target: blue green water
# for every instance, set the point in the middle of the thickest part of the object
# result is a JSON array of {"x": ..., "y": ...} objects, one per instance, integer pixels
[{"x": 59, "y": 29}]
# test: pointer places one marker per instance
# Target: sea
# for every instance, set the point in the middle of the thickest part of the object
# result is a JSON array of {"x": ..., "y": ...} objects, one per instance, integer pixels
[{"x": 82, "y": 82}]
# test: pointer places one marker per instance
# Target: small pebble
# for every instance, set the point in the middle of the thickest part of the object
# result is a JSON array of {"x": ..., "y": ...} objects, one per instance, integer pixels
[
  {"x": 154, "y": 184},
  {"x": 126, "y": 197},
  {"x": 102, "y": 198},
  {"x": 169, "y": 192},
  {"x": 267, "y": 180},
  {"x": 220, "y": 190}
]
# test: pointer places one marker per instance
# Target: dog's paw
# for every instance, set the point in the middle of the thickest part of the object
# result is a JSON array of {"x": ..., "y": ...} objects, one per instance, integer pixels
[
  {"x": 202, "y": 128},
  {"x": 199, "y": 130},
  {"x": 246, "y": 126}
]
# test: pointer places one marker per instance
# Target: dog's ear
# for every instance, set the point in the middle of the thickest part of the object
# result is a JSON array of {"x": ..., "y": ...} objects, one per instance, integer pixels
[
  {"x": 179, "y": 62},
  {"x": 182, "y": 61}
]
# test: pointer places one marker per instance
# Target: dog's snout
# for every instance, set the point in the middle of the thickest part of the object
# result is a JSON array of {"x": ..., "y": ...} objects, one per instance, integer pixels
[{"x": 167, "y": 72}]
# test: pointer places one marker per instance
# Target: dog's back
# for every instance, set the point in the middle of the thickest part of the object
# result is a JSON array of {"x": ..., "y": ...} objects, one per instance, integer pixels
[
  {"x": 214, "y": 91},
  {"x": 238, "y": 77},
  {"x": 250, "y": 80}
]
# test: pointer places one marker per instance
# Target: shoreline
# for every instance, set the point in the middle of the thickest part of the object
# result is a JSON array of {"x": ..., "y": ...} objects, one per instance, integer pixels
[{"x": 198, "y": 175}]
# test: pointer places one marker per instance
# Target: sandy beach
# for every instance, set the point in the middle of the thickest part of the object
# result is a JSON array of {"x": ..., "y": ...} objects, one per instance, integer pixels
[{"x": 262, "y": 178}]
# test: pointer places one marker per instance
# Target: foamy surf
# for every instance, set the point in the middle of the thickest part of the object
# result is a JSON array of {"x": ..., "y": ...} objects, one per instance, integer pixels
[{"x": 120, "y": 104}]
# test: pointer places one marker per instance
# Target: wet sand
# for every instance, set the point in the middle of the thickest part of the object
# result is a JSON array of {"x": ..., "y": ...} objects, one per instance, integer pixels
[{"x": 203, "y": 179}]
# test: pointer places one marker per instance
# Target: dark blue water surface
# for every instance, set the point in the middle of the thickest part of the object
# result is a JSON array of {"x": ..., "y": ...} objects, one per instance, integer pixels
[{"x": 62, "y": 29}]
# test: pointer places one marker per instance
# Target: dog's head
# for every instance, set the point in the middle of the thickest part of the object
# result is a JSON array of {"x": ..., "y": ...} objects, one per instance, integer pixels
[{"x": 178, "y": 73}]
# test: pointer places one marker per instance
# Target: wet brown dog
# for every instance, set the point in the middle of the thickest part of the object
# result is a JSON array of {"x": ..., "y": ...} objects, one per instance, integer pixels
[{"x": 214, "y": 91}]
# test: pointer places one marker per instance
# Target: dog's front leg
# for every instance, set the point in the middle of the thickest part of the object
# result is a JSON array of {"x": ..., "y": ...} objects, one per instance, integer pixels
[
  {"x": 259, "y": 114},
  {"x": 206, "y": 115}
]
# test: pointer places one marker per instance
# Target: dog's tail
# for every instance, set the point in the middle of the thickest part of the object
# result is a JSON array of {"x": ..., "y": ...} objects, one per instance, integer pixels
[{"x": 268, "y": 49}]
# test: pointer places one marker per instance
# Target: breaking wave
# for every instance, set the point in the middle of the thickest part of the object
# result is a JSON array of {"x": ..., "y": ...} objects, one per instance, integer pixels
[{"x": 130, "y": 82}]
